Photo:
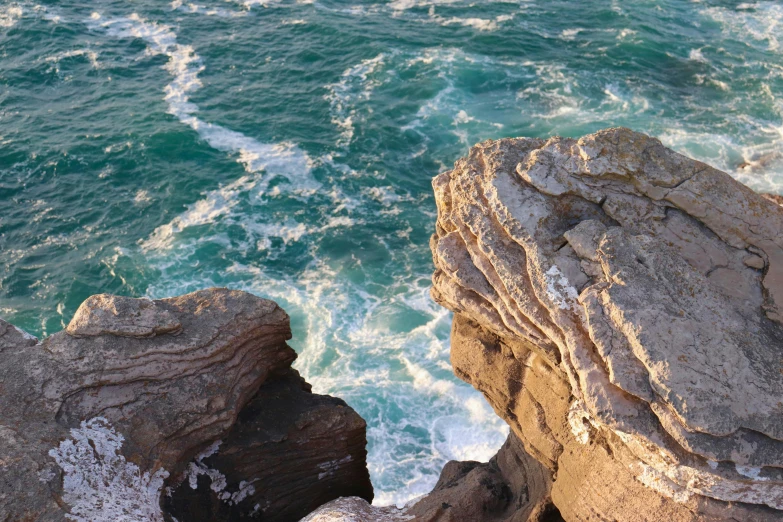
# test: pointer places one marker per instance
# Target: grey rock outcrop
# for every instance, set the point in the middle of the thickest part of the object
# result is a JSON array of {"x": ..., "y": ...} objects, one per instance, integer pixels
[
  {"x": 98, "y": 421},
  {"x": 624, "y": 307},
  {"x": 106, "y": 314}
]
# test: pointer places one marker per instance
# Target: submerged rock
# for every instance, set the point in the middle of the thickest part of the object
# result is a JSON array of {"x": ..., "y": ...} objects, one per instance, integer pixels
[
  {"x": 99, "y": 420},
  {"x": 620, "y": 306}
]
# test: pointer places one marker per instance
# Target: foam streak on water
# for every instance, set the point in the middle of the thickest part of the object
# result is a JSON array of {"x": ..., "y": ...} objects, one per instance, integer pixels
[{"x": 184, "y": 65}]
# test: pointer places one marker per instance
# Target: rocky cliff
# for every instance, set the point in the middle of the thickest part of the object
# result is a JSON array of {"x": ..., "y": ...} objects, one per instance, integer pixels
[
  {"x": 190, "y": 398},
  {"x": 620, "y": 306}
]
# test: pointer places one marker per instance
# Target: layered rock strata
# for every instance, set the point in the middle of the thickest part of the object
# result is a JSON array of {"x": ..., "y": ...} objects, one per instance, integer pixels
[
  {"x": 289, "y": 452},
  {"x": 620, "y": 305},
  {"x": 96, "y": 422}
]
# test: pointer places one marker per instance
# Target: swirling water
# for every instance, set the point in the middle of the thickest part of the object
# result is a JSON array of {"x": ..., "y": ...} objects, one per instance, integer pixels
[{"x": 286, "y": 148}]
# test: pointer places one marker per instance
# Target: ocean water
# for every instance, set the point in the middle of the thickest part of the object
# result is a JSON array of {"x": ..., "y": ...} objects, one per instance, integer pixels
[{"x": 286, "y": 148}]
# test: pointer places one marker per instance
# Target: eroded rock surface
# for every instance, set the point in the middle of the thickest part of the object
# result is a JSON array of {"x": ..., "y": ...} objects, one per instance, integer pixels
[
  {"x": 620, "y": 306},
  {"x": 512, "y": 487},
  {"x": 775, "y": 198},
  {"x": 99, "y": 420},
  {"x": 289, "y": 452}
]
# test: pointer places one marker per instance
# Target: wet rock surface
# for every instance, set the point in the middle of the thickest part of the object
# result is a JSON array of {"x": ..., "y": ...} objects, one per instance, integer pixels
[{"x": 619, "y": 305}]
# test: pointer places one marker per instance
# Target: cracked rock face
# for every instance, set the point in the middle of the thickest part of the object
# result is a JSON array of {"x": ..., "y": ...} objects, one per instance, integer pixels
[
  {"x": 637, "y": 296},
  {"x": 97, "y": 421}
]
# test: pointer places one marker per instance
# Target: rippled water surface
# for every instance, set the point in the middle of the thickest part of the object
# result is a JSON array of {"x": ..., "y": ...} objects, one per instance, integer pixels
[{"x": 286, "y": 148}]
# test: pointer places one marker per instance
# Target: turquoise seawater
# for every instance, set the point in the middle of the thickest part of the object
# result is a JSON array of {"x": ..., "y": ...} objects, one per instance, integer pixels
[{"x": 286, "y": 148}]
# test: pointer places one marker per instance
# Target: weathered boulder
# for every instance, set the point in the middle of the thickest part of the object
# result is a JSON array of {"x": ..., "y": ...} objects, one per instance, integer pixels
[
  {"x": 97, "y": 421},
  {"x": 355, "y": 509},
  {"x": 620, "y": 306},
  {"x": 512, "y": 487},
  {"x": 289, "y": 452}
]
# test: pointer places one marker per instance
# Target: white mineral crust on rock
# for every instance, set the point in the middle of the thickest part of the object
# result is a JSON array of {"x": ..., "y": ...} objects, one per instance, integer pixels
[{"x": 99, "y": 484}]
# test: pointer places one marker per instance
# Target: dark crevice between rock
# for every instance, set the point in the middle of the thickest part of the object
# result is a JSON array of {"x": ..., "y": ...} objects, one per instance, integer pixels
[{"x": 290, "y": 451}]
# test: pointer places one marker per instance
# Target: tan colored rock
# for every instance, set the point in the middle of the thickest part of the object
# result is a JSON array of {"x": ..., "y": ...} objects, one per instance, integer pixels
[
  {"x": 106, "y": 314},
  {"x": 355, "y": 509},
  {"x": 775, "y": 198},
  {"x": 635, "y": 298}
]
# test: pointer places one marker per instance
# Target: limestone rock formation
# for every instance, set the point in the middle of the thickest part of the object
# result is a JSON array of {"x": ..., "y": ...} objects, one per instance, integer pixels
[
  {"x": 99, "y": 420},
  {"x": 620, "y": 306}
]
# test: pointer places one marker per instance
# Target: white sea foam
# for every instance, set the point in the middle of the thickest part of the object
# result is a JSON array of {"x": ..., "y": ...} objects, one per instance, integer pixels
[
  {"x": 185, "y": 65},
  {"x": 697, "y": 56},
  {"x": 190, "y": 7},
  {"x": 446, "y": 109},
  {"x": 217, "y": 203},
  {"x": 555, "y": 89},
  {"x": 278, "y": 159},
  {"x": 10, "y": 15},
  {"x": 402, "y": 5},
  {"x": 758, "y": 24},
  {"x": 755, "y": 159},
  {"x": 387, "y": 196},
  {"x": 91, "y": 55},
  {"x": 249, "y": 4},
  {"x": 26, "y": 335},
  {"x": 356, "y": 85},
  {"x": 480, "y": 24},
  {"x": 444, "y": 61},
  {"x": 570, "y": 34}
]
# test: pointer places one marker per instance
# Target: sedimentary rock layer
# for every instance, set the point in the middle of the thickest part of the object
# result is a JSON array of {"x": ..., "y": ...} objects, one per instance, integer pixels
[
  {"x": 97, "y": 421},
  {"x": 289, "y": 452},
  {"x": 634, "y": 300}
]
